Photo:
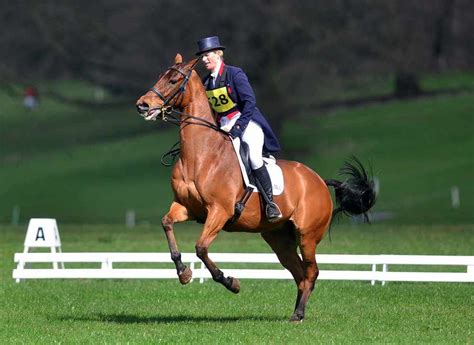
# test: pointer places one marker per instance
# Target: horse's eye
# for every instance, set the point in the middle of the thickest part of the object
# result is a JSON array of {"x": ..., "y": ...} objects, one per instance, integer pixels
[{"x": 173, "y": 81}]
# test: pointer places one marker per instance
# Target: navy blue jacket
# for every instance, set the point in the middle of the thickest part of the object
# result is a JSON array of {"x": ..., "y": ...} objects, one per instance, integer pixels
[{"x": 241, "y": 93}]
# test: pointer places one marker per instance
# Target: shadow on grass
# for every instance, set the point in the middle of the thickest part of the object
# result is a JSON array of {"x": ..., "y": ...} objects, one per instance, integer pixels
[{"x": 131, "y": 319}]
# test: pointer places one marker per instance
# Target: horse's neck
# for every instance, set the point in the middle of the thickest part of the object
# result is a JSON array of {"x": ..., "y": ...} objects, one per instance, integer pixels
[{"x": 199, "y": 142}]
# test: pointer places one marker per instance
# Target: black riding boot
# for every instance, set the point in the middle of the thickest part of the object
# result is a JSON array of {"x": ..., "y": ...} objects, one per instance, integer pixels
[{"x": 264, "y": 185}]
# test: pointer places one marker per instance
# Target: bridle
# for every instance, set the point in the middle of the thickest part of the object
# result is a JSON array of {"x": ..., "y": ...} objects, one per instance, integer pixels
[{"x": 168, "y": 112}]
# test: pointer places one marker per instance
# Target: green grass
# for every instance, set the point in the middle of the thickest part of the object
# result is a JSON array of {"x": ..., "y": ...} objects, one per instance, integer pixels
[
  {"x": 142, "y": 311},
  {"x": 418, "y": 149},
  {"x": 56, "y": 125},
  {"x": 146, "y": 312},
  {"x": 95, "y": 183},
  {"x": 448, "y": 81}
]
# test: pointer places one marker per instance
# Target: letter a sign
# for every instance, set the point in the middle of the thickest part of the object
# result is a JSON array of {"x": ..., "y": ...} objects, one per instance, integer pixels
[{"x": 42, "y": 232}]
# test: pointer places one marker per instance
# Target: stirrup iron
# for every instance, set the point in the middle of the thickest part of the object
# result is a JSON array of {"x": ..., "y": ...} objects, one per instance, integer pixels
[{"x": 275, "y": 215}]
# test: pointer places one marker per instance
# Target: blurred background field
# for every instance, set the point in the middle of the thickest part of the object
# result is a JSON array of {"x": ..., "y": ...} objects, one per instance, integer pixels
[{"x": 90, "y": 163}]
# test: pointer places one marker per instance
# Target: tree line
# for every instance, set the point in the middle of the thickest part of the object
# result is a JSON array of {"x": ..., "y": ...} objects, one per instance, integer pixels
[{"x": 285, "y": 46}]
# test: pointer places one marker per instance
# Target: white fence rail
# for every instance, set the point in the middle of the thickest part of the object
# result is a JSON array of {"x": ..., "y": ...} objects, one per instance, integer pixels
[{"x": 377, "y": 266}]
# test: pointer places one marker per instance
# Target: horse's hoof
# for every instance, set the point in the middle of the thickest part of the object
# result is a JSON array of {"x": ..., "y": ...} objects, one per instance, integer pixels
[
  {"x": 185, "y": 276},
  {"x": 235, "y": 285},
  {"x": 296, "y": 318}
]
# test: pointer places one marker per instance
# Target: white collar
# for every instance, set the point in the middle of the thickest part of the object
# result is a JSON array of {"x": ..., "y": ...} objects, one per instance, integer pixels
[{"x": 215, "y": 71}]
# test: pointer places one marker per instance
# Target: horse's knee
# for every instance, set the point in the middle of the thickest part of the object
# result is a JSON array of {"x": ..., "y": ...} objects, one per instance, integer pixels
[
  {"x": 166, "y": 222},
  {"x": 201, "y": 251}
]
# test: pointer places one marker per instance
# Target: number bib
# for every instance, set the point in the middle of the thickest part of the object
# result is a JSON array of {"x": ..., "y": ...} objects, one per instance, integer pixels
[{"x": 220, "y": 100}]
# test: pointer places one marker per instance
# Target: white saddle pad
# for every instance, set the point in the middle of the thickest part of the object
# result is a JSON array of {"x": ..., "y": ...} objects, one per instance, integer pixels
[{"x": 275, "y": 172}]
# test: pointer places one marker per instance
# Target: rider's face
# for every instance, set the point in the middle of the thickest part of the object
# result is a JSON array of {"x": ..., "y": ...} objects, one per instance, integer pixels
[{"x": 210, "y": 59}]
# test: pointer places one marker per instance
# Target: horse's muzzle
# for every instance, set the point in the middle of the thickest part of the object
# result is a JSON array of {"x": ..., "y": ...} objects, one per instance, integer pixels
[
  {"x": 149, "y": 114},
  {"x": 142, "y": 108}
]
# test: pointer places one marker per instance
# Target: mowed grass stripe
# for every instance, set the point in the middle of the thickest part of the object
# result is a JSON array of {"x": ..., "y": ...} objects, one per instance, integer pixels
[{"x": 151, "y": 311}]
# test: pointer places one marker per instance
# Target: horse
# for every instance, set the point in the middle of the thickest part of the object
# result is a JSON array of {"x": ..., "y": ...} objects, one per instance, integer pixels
[{"x": 207, "y": 182}]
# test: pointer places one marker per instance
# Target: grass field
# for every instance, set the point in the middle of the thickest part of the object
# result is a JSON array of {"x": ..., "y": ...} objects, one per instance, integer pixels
[
  {"x": 418, "y": 149},
  {"x": 142, "y": 311}
]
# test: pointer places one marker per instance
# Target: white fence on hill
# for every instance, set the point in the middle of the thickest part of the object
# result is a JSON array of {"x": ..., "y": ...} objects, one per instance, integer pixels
[{"x": 371, "y": 267}]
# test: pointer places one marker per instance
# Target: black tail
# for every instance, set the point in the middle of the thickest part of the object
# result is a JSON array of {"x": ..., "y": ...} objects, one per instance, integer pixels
[{"x": 356, "y": 194}]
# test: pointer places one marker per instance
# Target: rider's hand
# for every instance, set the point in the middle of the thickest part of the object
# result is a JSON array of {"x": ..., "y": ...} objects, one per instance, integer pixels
[
  {"x": 235, "y": 132},
  {"x": 226, "y": 128}
]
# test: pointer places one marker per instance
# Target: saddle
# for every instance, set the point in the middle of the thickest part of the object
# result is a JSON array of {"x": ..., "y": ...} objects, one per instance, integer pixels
[{"x": 242, "y": 151}]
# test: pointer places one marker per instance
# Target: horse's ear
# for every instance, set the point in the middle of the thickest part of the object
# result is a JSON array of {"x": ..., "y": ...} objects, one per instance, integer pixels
[{"x": 178, "y": 59}]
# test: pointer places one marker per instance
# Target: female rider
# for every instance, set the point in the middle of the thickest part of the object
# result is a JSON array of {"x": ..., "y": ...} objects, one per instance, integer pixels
[{"x": 232, "y": 98}]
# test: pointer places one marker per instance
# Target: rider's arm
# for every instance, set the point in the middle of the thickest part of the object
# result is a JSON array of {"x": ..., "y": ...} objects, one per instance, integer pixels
[{"x": 245, "y": 99}]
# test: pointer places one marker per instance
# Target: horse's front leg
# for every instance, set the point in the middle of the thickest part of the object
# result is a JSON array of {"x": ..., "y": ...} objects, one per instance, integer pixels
[
  {"x": 177, "y": 213},
  {"x": 216, "y": 219}
]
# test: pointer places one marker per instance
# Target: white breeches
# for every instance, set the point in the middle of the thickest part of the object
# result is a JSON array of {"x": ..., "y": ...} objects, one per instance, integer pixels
[{"x": 253, "y": 136}]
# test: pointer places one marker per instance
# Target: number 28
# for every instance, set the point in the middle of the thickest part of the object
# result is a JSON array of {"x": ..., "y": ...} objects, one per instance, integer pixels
[{"x": 222, "y": 98}]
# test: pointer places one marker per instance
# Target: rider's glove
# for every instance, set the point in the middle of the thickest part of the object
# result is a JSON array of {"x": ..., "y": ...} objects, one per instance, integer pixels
[{"x": 236, "y": 131}]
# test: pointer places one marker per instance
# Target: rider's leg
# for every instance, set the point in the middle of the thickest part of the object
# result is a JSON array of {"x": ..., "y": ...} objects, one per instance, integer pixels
[
  {"x": 272, "y": 211},
  {"x": 254, "y": 137}
]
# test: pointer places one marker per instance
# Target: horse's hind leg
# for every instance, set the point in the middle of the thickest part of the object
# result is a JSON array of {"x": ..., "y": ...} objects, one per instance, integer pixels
[
  {"x": 308, "y": 242},
  {"x": 284, "y": 243},
  {"x": 177, "y": 213}
]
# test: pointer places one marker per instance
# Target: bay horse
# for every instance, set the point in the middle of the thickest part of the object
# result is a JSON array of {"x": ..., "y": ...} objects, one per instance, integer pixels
[{"x": 207, "y": 183}]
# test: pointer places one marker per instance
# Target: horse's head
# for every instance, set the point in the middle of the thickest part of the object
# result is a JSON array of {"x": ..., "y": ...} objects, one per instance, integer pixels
[{"x": 168, "y": 91}]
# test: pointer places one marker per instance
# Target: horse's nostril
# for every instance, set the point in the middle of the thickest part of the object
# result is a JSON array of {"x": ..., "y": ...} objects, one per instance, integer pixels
[{"x": 142, "y": 108}]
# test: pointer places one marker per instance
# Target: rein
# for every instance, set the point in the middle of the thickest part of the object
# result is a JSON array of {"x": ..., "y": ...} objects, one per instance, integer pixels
[{"x": 169, "y": 117}]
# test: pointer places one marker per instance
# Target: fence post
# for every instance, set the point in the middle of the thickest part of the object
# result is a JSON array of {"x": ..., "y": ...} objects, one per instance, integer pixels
[
  {"x": 16, "y": 215},
  {"x": 455, "y": 199},
  {"x": 130, "y": 218},
  {"x": 384, "y": 270},
  {"x": 470, "y": 270},
  {"x": 374, "y": 269},
  {"x": 191, "y": 267}
]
